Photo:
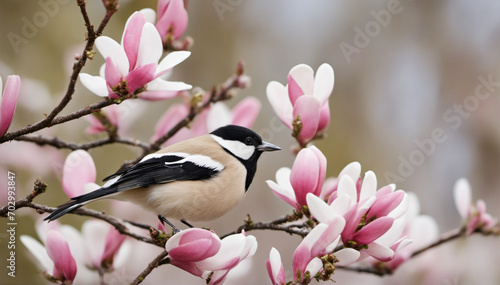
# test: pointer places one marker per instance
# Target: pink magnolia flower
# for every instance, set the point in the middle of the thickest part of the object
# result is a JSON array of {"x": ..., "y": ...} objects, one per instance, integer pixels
[
  {"x": 203, "y": 254},
  {"x": 474, "y": 217},
  {"x": 306, "y": 176},
  {"x": 8, "y": 101},
  {"x": 172, "y": 18},
  {"x": 374, "y": 218},
  {"x": 79, "y": 174},
  {"x": 303, "y": 99},
  {"x": 243, "y": 114},
  {"x": 132, "y": 67},
  {"x": 56, "y": 256},
  {"x": 275, "y": 268}
]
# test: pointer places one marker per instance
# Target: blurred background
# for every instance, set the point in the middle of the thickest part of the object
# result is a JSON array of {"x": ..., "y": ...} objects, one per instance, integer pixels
[{"x": 403, "y": 69}]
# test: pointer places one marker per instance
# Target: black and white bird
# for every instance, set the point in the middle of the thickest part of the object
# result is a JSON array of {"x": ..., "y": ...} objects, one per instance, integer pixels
[{"x": 198, "y": 179}]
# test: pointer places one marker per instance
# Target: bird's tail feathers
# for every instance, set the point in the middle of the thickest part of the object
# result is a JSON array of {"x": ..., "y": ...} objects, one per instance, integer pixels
[{"x": 79, "y": 201}]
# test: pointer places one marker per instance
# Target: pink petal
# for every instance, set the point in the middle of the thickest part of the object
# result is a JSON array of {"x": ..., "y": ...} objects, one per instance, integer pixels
[
  {"x": 219, "y": 115},
  {"x": 294, "y": 91},
  {"x": 324, "y": 117},
  {"x": 246, "y": 112},
  {"x": 462, "y": 195},
  {"x": 9, "y": 101},
  {"x": 307, "y": 108},
  {"x": 111, "y": 73},
  {"x": 114, "y": 241},
  {"x": 304, "y": 175},
  {"x": 279, "y": 100},
  {"x": 131, "y": 37},
  {"x": 373, "y": 230},
  {"x": 79, "y": 169},
  {"x": 323, "y": 83},
  {"x": 304, "y": 76},
  {"x": 322, "y": 169},
  {"x": 171, "y": 14},
  {"x": 58, "y": 250},
  {"x": 192, "y": 251},
  {"x": 301, "y": 258},
  {"x": 140, "y": 77},
  {"x": 283, "y": 193},
  {"x": 385, "y": 204}
]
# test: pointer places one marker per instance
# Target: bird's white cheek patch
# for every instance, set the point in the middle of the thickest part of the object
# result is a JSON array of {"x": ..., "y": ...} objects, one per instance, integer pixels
[{"x": 237, "y": 148}]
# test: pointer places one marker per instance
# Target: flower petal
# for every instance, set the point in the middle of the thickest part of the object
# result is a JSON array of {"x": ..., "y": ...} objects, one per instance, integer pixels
[
  {"x": 96, "y": 84},
  {"x": 39, "y": 252},
  {"x": 58, "y": 250},
  {"x": 275, "y": 267},
  {"x": 111, "y": 72},
  {"x": 323, "y": 82},
  {"x": 79, "y": 169},
  {"x": 169, "y": 119},
  {"x": 347, "y": 187},
  {"x": 319, "y": 209},
  {"x": 346, "y": 256},
  {"x": 139, "y": 77},
  {"x": 294, "y": 90},
  {"x": 170, "y": 60},
  {"x": 369, "y": 186},
  {"x": 131, "y": 37},
  {"x": 172, "y": 16},
  {"x": 9, "y": 102},
  {"x": 373, "y": 230},
  {"x": 304, "y": 175},
  {"x": 109, "y": 48},
  {"x": 304, "y": 76},
  {"x": 162, "y": 85},
  {"x": 278, "y": 98},
  {"x": 380, "y": 252},
  {"x": 307, "y": 109},
  {"x": 150, "y": 46},
  {"x": 462, "y": 195},
  {"x": 219, "y": 115}
]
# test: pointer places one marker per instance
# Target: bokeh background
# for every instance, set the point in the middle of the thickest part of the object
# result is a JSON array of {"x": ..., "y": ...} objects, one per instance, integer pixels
[{"x": 398, "y": 79}]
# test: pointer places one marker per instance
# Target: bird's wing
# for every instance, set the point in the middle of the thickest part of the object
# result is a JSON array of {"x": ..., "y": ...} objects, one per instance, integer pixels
[{"x": 167, "y": 167}]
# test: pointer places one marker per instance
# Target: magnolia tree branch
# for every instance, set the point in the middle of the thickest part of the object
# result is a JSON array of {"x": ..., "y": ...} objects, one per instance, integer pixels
[{"x": 51, "y": 119}]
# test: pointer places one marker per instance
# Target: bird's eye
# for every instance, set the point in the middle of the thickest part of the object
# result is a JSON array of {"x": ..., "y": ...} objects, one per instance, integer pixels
[{"x": 249, "y": 141}]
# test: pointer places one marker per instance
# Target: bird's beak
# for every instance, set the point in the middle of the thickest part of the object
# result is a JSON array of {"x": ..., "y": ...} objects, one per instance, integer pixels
[{"x": 265, "y": 146}]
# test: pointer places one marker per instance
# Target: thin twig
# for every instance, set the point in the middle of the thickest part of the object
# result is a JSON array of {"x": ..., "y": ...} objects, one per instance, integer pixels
[
  {"x": 152, "y": 265},
  {"x": 60, "y": 144}
]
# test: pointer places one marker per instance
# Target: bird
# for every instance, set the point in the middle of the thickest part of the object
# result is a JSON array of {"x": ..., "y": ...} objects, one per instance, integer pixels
[{"x": 198, "y": 179}]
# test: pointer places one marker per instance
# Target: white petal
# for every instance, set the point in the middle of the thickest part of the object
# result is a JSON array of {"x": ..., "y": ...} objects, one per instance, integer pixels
[
  {"x": 314, "y": 266},
  {"x": 109, "y": 48},
  {"x": 149, "y": 15},
  {"x": 277, "y": 95},
  {"x": 353, "y": 170},
  {"x": 346, "y": 256},
  {"x": 161, "y": 85},
  {"x": 413, "y": 207},
  {"x": 172, "y": 59},
  {"x": 347, "y": 187},
  {"x": 122, "y": 257},
  {"x": 379, "y": 251},
  {"x": 333, "y": 245},
  {"x": 283, "y": 177},
  {"x": 231, "y": 247},
  {"x": 323, "y": 82},
  {"x": 275, "y": 261},
  {"x": 341, "y": 205},
  {"x": 462, "y": 195},
  {"x": 150, "y": 46},
  {"x": 95, "y": 84},
  {"x": 39, "y": 252},
  {"x": 369, "y": 185},
  {"x": 319, "y": 209},
  {"x": 284, "y": 191},
  {"x": 219, "y": 115}
]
